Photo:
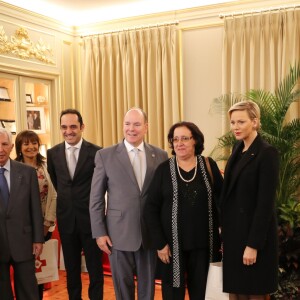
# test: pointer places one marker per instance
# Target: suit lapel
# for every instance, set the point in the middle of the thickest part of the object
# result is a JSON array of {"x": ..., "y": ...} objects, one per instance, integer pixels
[
  {"x": 62, "y": 157},
  {"x": 2, "y": 209},
  {"x": 246, "y": 159},
  {"x": 228, "y": 169},
  {"x": 123, "y": 157},
  {"x": 150, "y": 160},
  {"x": 16, "y": 176},
  {"x": 83, "y": 155}
]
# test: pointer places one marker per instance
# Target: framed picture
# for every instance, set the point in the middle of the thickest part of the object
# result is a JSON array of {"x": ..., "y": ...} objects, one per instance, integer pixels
[
  {"x": 4, "y": 94},
  {"x": 36, "y": 119},
  {"x": 10, "y": 125},
  {"x": 28, "y": 98}
]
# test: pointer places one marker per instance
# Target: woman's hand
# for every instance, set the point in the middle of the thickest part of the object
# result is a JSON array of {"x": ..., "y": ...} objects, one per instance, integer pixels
[
  {"x": 164, "y": 254},
  {"x": 249, "y": 257},
  {"x": 37, "y": 249}
]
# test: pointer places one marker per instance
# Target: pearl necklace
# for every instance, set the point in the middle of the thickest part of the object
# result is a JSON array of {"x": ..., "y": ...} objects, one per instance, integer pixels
[{"x": 187, "y": 180}]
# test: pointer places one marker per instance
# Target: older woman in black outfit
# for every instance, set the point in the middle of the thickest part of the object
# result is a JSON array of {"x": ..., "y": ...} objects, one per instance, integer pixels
[
  {"x": 181, "y": 214},
  {"x": 249, "y": 227}
]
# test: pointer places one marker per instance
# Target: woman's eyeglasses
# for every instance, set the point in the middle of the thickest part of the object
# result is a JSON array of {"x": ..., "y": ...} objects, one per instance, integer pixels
[{"x": 183, "y": 139}]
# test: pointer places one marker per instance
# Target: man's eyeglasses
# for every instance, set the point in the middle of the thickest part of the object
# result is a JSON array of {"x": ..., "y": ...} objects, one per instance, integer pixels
[{"x": 184, "y": 139}]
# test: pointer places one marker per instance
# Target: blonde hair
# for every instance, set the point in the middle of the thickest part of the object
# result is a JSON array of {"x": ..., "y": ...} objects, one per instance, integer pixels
[{"x": 250, "y": 107}]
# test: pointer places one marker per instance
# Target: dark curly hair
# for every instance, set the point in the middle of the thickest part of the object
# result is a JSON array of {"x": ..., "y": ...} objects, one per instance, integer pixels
[
  {"x": 25, "y": 137},
  {"x": 196, "y": 133}
]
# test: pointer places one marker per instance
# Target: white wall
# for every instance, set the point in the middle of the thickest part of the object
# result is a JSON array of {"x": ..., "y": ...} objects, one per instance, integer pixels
[{"x": 202, "y": 80}]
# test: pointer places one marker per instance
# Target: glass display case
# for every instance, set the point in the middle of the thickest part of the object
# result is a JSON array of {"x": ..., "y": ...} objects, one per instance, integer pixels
[
  {"x": 24, "y": 104},
  {"x": 36, "y": 94},
  {"x": 8, "y": 97}
]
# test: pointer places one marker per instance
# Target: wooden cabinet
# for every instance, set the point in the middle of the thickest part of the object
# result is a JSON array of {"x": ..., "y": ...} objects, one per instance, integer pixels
[
  {"x": 8, "y": 98},
  {"x": 28, "y": 106},
  {"x": 36, "y": 94}
]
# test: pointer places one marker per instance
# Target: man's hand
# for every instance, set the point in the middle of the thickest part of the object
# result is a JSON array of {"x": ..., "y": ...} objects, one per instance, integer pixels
[{"x": 104, "y": 243}]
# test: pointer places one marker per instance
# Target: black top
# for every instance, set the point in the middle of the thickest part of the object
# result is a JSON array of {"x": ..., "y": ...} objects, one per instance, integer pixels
[
  {"x": 193, "y": 213},
  {"x": 192, "y": 217},
  {"x": 193, "y": 207}
]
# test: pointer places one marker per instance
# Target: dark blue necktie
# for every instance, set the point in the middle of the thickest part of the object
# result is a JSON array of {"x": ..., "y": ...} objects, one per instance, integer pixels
[{"x": 4, "y": 187}]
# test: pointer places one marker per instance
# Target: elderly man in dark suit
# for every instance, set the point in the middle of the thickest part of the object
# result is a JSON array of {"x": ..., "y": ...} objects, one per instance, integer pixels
[
  {"x": 21, "y": 224},
  {"x": 71, "y": 167},
  {"x": 124, "y": 171}
]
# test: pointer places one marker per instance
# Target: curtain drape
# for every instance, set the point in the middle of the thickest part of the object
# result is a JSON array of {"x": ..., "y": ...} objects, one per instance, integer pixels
[
  {"x": 258, "y": 50},
  {"x": 131, "y": 68}
]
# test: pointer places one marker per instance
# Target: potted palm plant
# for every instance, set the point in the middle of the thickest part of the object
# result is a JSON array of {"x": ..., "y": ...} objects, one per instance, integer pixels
[{"x": 285, "y": 136}]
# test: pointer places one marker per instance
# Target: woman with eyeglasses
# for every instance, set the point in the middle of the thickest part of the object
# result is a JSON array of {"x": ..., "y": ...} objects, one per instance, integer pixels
[
  {"x": 27, "y": 151},
  {"x": 181, "y": 214}
]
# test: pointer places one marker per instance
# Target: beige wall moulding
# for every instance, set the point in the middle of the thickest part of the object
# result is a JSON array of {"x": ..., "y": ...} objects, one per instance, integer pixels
[{"x": 19, "y": 44}]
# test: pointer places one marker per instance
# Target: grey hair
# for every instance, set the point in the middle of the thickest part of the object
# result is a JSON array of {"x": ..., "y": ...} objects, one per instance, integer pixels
[
  {"x": 139, "y": 110},
  {"x": 7, "y": 132}
]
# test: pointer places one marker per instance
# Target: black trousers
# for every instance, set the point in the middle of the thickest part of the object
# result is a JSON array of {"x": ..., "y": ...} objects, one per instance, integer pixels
[
  {"x": 195, "y": 265},
  {"x": 25, "y": 283},
  {"x": 72, "y": 246}
]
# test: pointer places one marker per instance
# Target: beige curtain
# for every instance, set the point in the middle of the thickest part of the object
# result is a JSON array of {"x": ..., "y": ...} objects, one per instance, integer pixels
[
  {"x": 126, "y": 69},
  {"x": 258, "y": 50}
]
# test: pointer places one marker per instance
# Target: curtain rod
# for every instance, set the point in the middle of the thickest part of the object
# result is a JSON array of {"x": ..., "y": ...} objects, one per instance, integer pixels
[
  {"x": 132, "y": 28},
  {"x": 250, "y": 12}
]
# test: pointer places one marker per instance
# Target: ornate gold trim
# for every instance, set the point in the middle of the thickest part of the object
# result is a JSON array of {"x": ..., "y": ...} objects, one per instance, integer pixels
[{"x": 21, "y": 46}]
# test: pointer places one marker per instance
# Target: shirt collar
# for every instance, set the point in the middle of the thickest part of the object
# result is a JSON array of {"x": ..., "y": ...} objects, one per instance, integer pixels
[
  {"x": 78, "y": 145},
  {"x": 129, "y": 147},
  {"x": 7, "y": 165}
]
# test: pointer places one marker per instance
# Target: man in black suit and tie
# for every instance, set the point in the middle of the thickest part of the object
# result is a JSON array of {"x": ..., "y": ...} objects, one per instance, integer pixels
[
  {"x": 124, "y": 171},
  {"x": 71, "y": 167},
  {"x": 36, "y": 120},
  {"x": 21, "y": 224}
]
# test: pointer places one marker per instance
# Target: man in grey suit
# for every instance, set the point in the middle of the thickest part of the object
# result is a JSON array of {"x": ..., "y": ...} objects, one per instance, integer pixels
[
  {"x": 21, "y": 224},
  {"x": 118, "y": 225}
]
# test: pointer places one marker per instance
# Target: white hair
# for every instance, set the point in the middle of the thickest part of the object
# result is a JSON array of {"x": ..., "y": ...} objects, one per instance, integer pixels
[{"x": 7, "y": 132}]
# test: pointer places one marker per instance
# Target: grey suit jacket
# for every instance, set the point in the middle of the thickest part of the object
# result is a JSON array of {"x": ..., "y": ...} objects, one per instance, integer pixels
[
  {"x": 122, "y": 219},
  {"x": 21, "y": 224}
]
